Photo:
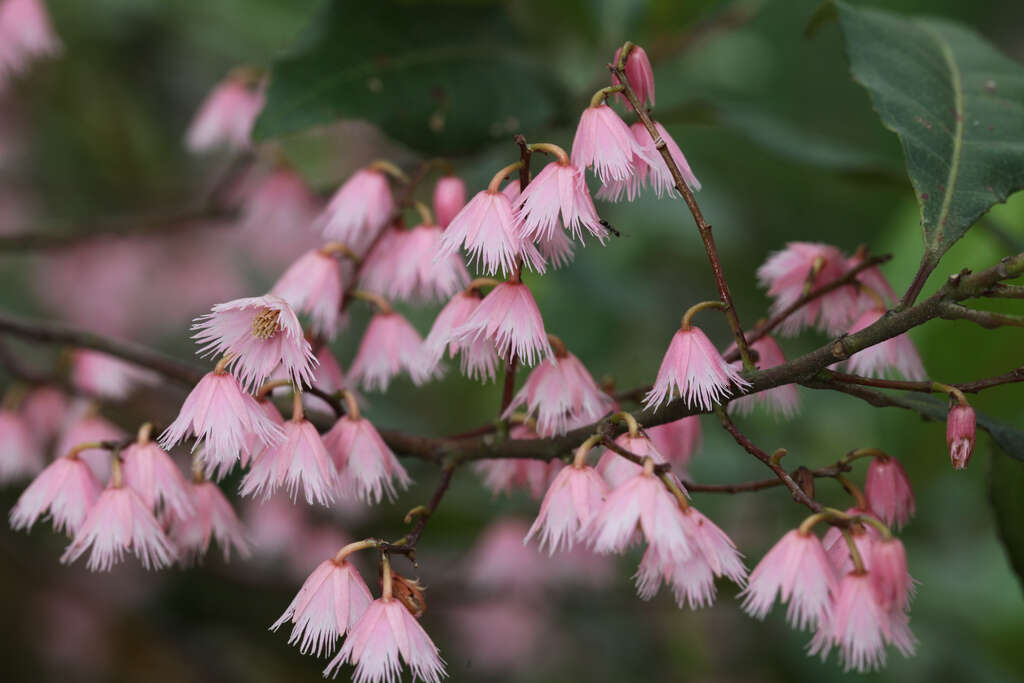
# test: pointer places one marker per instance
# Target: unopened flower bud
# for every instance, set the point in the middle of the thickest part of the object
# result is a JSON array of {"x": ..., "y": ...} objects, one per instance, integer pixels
[
  {"x": 960, "y": 428},
  {"x": 449, "y": 198}
]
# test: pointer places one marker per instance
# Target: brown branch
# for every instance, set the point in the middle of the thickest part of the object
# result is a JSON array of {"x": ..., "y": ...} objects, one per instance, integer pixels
[
  {"x": 798, "y": 493},
  {"x": 691, "y": 202},
  {"x": 1001, "y": 291},
  {"x": 927, "y": 387},
  {"x": 407, "y": 545},
  {"x": 987, "y": 319}
]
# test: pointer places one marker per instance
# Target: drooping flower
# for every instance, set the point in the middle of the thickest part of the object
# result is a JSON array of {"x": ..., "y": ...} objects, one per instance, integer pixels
[
  {"x": 787, "y": 273},
  {"x": 572, "y": 501},
  {"x": 890, "y": 580},
  {"x": 895, "y": 355},
  {"x": 508, "y": 318},
  {"x": 225, "y": 116},
  {"x": 641, "y": 503},
  {"x": 149, "y": 471},
  {"x": 501, "y": 563},
  {"x": 960, "y": 431},
  {"x": 486, "y": 228},
  {"x": 888, "y": 491},
  {"x": 501, "y": 475},
  {"x": 224, "y": 420},
  {"x": 859, "y": 627},
  {"x": 385, "y": 632},
  {"x": 104, "y": 376},
  {"x": 603, "y": 141},
  {"x": 119, "y": 521},
  {"x": 694, "y": 371},
  {"x": 639, "y": 74},
  {"x": 559, "y": 393},
  {"x": 692, "y": 581},
  {"x": 261, "y": 333},
  {"x": 478, "y": 358},
  {"x": 20, "y": 454},
  {"x": 677, "y": 441},
  {"x": 616, "y": 469},
  {"x": 449, "y": 198},
  {"x": 782, "y": 401},
  {"x": 359, "y": 210},
  {"x": 390, "y": 345},
  {"x": 298, "y": 462},
  {"x": 313, "y": 285},
  {"x": 406, "y": 265},
  {"x": 798, "y": 571},
  {"x": 650, "y": 167},
  {"x": 25, "y": 35},
  {"x": 365, "y": 464},
  {"x": 212, "y": 518},
  {"x": 67, "y": 488},
  {"x": 557, "y": 197},
  {"x": 329, "y": 603},
  {"x": 838, "y": 549},
  {"x": 557, "y": 251},
  {"x": 280, "y": 207}
]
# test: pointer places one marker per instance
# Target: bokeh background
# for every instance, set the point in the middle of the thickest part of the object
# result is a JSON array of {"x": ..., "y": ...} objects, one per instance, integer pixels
[{"x": 787, "y": 148}]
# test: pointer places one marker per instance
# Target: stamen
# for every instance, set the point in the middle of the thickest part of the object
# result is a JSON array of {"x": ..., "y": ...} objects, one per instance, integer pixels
[{"x": 265, "y": 325}]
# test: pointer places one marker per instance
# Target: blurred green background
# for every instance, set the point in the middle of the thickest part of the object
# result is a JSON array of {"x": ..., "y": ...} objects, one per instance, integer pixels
[{"x": 787, "y": 148}]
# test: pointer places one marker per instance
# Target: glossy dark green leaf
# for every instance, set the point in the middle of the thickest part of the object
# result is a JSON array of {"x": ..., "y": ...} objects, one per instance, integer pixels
[
  {"x": 439, "y": 77},
  {"x": 1006, "y": 483},
  {"x": 957, "y": 105}
]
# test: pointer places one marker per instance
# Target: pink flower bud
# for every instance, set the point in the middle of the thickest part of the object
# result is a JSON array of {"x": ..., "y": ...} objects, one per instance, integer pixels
[
  {"x": 449, "y": 198},
  {"x": 960, "y": 428},
  {"x": 639, "y": 74},
  {"x": 888, "y": 491}
]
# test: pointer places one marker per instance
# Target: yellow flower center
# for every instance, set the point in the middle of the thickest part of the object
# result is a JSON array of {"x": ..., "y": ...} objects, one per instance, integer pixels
[{"x": 265, "y": 325}]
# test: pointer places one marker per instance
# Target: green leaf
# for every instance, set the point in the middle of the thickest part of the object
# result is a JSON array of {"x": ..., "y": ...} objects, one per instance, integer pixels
[
  {"x": 1006, "y": 483},
  {"x": 441, "y": 78},
  {"x": 957, "y": 105}
]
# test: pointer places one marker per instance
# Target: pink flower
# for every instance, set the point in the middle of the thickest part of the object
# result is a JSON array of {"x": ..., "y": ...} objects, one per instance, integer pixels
[
  {"x": 224, "y": 420},
  {"x": 149, "y": 471},
  {"x": 67, "y": 488},
  {"x": 405, "y": 264},
  {"x": 695, "y": 371},
  {"x": 559, "y": 190},
  {"x": 692, "y": 581},
  {"x": 449, "y": 198},
  {"x": 359, "y": 210},
  {"x": 478, "y": 359},
  {"x": 786, "y": 274},
  {"x": 299, "y": 461},
  {"x": 85, "y": 428},
  {"x": 226, "y": 116},
  {"x": 509, "y": 319},
  {"x": 364, "y": 462},
  {"x": 838, "y": 550},
  {"x": 504, "y": 474},
  {"x": 890, "y": 580},
  {"x": 329, "y": 603},
  {"x": 714, "y": 546},
  {"x": 641, "y": 503},
  {"x": 557, "y": 251},
  {"x": 120, "y": 521},
  {"x": 501, "y": 634},
  {"x": 960, "y": 431},
  {"x": 859, "y": 627},
  {"x": 20, "y": 454},
  {"x": 390, "y": 345},
  {"x": 897, "y": 354},
  {"x": 605, "y": 142},
  {"x": 213, "y": 517},
  {"x": 798, "y": 571},
  {"x": 45, "y": 408},
  {"x": 501, "y": 562},
  {"x": 104, "y": 376},
  {"x": 650, "y": 167},
  {"x": 386, "y": 631},
  {"x": 561, "y": 392},
  {"x": 888, "y": 491},
  {"x": 25, "y": 34},
  {"x": 572, "y": 501},
  {"x": 279, "y": 207},
  {"x": 312, "y": 285},
  {"x": 677, "y": 441},
  {"x": 487, "y": 230},
  {"x": 781, "y": 401},
  {"x": 617, "y": 470},
  {"x": 639, "y": 74},
  {"x": 261, "y": 333}
]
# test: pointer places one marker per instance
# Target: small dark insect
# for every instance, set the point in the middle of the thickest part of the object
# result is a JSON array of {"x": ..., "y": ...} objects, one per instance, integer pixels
[{"x": 608, "y": 226}]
